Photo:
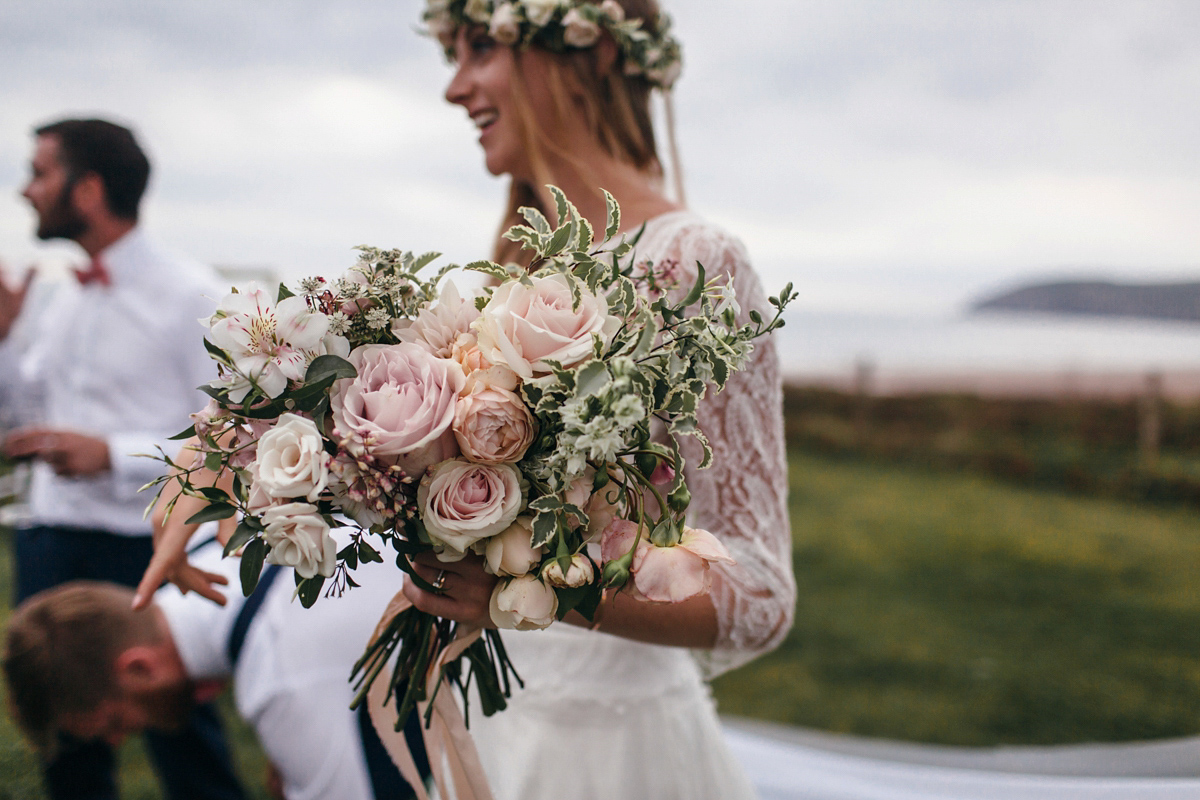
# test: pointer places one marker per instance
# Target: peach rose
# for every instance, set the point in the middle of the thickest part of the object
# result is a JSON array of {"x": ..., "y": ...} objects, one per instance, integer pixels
[{"x": 493, "y": 426}]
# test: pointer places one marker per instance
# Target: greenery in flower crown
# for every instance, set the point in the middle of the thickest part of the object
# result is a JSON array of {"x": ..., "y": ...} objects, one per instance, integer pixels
[{"x": 561, "y": 26}]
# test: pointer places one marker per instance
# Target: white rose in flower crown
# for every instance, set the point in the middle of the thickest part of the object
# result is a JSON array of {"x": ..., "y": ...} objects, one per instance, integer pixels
[
  {"x": 523, "y": 603},
  {"x": 505, "y": 27},
  {"x": 290, "y": 460},
  {"x": 540, "y": 12},
  {"x": 523, "y": 327},
  {"x": 400, "y": 406},
  {"x": 580, "y": 573},
  {"x": 578, "y": 30},
  {"x": 510, "y": 552},
  {"x": 613, "y": 10},
  {"x": 461, "y": 503},
  {"x": 477, "y": 11},
  {"x": 299, "y": 538},
  {"x": 493, "y": 426}
]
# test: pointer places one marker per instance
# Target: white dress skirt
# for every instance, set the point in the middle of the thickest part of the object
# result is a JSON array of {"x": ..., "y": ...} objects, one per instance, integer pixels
[{"x": 602, "y": 717}]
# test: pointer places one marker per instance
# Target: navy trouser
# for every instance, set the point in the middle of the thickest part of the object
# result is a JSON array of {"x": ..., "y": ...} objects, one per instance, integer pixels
[{"x": 193, "y": 764}]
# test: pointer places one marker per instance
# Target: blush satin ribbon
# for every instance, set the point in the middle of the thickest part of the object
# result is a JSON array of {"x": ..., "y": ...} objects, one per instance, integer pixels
[{"x": 448, "y": 743}]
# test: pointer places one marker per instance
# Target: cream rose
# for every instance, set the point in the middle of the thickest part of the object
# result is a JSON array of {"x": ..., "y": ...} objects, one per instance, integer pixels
[
  {"x": 299, "y": 537},
  {"x": 477, "y": 11},
  {"x": 290, "y": 460},
  {"x": 493, "y": 426},
  {"x": 578, "y": 30},
  {"x": 613, "y": 10},
  {"x": 400, "y": 406},
  {"x": 523, "y": 603},
  {"x": 580, "y": 573},
  {"x": 505, "y": 27},
  {"x": 509, "y": 552},
  {"x": 524, "y": 327},
  {"x": 540, "y": 12},
  {"x": 462, "y": 503}
]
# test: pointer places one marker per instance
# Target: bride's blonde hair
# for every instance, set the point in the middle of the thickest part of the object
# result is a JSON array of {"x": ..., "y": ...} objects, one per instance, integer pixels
[{"x": 614, "y": 105}]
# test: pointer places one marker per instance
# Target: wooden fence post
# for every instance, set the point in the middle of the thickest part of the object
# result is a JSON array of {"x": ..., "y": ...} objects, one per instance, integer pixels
[{"x": 1150, "y": 420}]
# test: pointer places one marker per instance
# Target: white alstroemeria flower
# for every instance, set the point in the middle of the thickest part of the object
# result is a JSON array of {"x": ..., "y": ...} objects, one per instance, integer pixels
[{"x": 268, "y": 343}]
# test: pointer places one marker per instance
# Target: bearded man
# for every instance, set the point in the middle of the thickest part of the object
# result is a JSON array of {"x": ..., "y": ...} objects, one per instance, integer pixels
[{"x": 97, "y": 370}]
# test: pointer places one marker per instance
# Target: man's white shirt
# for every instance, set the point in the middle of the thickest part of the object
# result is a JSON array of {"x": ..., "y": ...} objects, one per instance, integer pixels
[
  {"x": 121, "y": 362},
  {"x": 291, "y": 680}
]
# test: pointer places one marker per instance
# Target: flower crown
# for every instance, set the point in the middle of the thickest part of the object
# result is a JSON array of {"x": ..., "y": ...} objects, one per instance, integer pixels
[{"x": 561, "y": 26}]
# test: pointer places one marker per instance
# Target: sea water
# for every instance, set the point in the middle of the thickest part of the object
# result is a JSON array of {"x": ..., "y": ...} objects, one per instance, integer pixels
[{"x": 834, "y": 342}]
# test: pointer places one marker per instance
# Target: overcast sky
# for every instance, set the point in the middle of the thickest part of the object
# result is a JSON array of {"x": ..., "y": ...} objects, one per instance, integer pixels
[{"x": 883, "y": 154}]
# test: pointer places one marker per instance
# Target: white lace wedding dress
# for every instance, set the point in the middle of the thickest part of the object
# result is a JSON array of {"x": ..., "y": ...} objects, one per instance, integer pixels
[{"x": 606, "y": 717}]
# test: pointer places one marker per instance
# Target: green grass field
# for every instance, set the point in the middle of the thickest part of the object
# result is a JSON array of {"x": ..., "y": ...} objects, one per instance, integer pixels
[
  {"x": 942, "y": 607},
  {"x": 953, "y": 608}
]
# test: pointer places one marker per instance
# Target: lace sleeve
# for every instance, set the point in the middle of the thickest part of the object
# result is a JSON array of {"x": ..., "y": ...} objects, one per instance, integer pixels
[{"x": 742, "y": 497}]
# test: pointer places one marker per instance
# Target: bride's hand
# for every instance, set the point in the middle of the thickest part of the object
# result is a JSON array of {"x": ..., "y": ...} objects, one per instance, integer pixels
[{"x": 466, "y": 589}]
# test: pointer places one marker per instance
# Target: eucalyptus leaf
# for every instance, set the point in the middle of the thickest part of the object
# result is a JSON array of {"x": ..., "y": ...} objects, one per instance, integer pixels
[
  {"x": 242, "y": 534},
  {"x": 253, "y": 556},
  {"x": 187, "y": 434},
  {"x": 212, "y": 513},
  {"x": 327, "y": 367}
]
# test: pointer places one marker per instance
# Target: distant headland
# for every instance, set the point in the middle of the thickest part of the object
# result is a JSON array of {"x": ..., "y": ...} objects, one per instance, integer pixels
[{"x": 1170, "y": 301}]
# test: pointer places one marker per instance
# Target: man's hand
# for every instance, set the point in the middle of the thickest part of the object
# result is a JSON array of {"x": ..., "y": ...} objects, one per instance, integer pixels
[
  {"x": 71, "y": 454},
  {"x": 11, "y": 301}
]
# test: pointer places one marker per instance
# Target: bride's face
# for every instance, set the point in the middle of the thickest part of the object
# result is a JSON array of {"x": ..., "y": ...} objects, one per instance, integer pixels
[{"x": 482, "y": 84}]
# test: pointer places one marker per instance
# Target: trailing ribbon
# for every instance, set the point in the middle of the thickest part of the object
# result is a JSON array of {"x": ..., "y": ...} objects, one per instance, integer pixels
[{"x": 448, "y": 743}]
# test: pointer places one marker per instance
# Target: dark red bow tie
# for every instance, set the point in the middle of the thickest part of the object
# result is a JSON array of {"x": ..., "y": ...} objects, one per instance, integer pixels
[{"x": 95, "y": 273}]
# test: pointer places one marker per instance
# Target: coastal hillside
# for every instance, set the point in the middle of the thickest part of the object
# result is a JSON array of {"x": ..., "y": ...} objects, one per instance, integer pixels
[{"x": 1174, "y": 301}]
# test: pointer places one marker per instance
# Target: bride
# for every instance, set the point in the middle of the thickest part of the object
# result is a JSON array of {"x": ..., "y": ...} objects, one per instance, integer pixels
[
  {"x": 560, "y": 92},
  {"x": 619, "y": 707}
]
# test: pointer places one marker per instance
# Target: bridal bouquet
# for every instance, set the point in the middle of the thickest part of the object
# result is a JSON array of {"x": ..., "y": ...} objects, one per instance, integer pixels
[{"x": 535, "y": 422}]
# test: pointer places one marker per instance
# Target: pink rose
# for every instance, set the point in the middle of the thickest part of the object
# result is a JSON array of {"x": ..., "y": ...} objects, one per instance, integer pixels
[
  {"x": 666, "y": 574},
  {"x": 400, "y": 406},
  {"x": 524, "y": 327},
  {"x": 462, "y": 503},
  {"x": 493, "y": 426},
  {"x": 523, "y": 603}
]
